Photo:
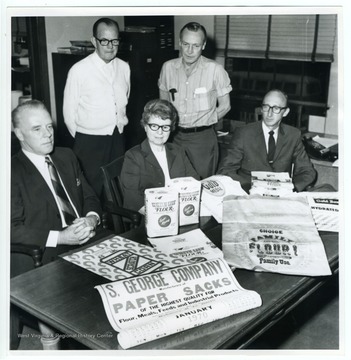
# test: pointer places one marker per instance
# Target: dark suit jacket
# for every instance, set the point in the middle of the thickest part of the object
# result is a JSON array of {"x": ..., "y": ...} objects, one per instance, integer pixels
[
  {"x": 247, "y": 152},
  {"x": 33, "y": 208},
  {"x": 141, "y": 171}
]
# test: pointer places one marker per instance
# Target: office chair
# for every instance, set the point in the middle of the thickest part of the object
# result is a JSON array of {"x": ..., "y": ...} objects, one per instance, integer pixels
[
  {"x": 122, "y": 219},
  {"x": 249, "y": 116},
  {"x": 34, "y": 251},
  {"x": 17, "y": 317},
  {"x": 258, "y": 113}
]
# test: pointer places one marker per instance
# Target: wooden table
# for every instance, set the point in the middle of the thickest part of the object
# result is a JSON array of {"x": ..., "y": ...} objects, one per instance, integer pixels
[{"x": 62, "y": 295}]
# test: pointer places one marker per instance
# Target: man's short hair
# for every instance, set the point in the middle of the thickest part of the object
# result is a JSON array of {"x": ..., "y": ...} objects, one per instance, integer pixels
[
  {"x": 194, "y": 26},
  {"x": 107, "y": 21},
  {"x": 28, "y": 105}
]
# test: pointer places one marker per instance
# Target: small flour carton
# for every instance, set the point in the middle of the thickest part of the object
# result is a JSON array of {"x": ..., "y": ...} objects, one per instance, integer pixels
[
  {"x": 161, "y": 212},
  {"x": 189, "y": 191}
]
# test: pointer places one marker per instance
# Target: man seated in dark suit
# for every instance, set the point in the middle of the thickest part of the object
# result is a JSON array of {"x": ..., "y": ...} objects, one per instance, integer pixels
[
  {"x": 52, "y": 205},
  {"x": 269, "y": 145}
]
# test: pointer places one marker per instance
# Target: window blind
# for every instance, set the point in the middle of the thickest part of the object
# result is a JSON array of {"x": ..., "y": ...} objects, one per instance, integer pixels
[
  {"x": 285, "y": 37},
  {"x": 326, "y": 38},
  {"x": 246, "y": 34}
]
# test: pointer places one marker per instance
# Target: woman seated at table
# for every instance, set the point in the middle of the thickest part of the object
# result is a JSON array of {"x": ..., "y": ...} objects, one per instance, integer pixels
[{"x": 154, "y": 162}]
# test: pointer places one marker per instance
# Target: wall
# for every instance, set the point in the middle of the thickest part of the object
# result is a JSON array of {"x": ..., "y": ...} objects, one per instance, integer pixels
[
  {"x": 331, "y": 123},
  {"x": 59, "y": 30},
  {"x": 180, "y": 21}
]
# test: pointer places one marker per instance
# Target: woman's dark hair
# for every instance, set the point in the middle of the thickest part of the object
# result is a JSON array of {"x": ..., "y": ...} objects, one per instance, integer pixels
[{"x": 162, "y": 109}]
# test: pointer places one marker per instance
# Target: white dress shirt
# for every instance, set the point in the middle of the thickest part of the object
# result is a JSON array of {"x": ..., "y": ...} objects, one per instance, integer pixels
[
  {"x": 161, "y": 157},
  {"x": 39, "y": 162}
]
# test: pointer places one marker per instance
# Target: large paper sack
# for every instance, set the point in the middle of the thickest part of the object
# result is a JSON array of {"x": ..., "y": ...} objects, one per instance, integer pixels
[{"x": 273, "y": 235}]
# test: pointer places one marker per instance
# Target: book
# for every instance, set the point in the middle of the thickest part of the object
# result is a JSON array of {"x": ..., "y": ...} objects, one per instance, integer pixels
[
  {"x": 140, "y": 29},
  {"x": 82, "y": 49},
  {"x": 64, "y": 50}
]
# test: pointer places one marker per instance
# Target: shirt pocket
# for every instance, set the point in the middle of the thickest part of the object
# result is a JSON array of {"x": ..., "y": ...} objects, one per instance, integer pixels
[{"x": 204, "y": 101}]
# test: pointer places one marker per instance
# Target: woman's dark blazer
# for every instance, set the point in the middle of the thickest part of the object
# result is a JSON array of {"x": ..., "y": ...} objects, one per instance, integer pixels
[{"x": 141, "y": 171}]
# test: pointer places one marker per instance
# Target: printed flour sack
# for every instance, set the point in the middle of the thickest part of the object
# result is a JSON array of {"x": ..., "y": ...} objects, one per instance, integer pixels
[
  {"x": 161, "y": 212},
  {"x": 189, "y": 191},
  {"x": 272, "y": 234},
  {"x": 214, "y": 190}
]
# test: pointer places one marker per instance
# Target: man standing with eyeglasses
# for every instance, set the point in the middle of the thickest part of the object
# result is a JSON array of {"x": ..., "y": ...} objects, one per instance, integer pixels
[
  {"x": 95, "y": 100},
  {"x": 269, "y": 145},
  {"x": 199, "y": 89}
]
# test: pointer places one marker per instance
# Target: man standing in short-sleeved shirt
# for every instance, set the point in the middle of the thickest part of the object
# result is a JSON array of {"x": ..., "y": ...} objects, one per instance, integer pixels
[{"x": 199, "y": 89}]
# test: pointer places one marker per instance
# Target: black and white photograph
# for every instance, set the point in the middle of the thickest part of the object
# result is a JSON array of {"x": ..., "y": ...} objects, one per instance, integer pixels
[{"x": 174, "y": 179}]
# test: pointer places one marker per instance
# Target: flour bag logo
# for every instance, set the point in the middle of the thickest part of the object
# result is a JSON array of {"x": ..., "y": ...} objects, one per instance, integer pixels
[
  {"x": 214, "y": 187},
  {"x": 188, "y": 210},
  {"x": 164, "y": 221}
]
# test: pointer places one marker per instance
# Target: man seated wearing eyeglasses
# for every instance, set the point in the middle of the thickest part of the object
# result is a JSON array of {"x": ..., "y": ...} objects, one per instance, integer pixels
[
  {"x": 154, "y": 162},
  {"x": 269, "y": 145},
  {"x": 95, "y": 99}
]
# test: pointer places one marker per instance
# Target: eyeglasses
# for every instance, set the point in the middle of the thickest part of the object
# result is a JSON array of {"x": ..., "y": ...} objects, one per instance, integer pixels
[
  {"x": 105, "y": 42},
  {"x": 155, "y": 127},
  {"x": 275, "y": 109}
]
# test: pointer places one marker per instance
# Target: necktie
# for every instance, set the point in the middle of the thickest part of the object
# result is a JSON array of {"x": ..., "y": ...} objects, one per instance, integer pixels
[
  {"x": 65, "y": 205},
  {"x": 271, "y": 147}
]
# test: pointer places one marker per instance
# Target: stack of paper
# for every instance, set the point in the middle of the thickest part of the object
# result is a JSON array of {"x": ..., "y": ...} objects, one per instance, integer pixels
[
  {"x": 274, "y": 184},
  {"x": 325, "y": 209}
]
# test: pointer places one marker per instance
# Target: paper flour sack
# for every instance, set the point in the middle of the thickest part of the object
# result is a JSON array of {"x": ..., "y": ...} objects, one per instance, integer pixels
[
  {"x": 161, "y": 212},
  {"x": 189, "y": 191}
]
